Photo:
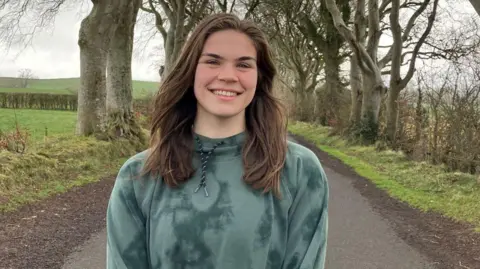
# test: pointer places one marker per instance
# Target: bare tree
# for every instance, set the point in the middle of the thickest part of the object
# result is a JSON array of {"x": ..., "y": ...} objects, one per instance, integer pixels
[
  {"x": 20, "y": 20},
  {"x": 397, "y": 83},
  {"x": 294, "y": 52},
  {"x": 453, "y": 100},
  {"x": 365, "y": 45},
  {"x": 373, "y": 85},
  {"x": 25, "y": 75},
  {"x": 174, "y": 19},
  {"x": 316, "y": 23}
]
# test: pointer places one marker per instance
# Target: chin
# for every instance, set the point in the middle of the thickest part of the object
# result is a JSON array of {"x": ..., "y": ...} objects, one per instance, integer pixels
[{"x": 226, "y": 114}]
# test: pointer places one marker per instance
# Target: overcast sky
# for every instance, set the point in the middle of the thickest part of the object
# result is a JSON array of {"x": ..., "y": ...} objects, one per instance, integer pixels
[{"x": 55, "y": 53}]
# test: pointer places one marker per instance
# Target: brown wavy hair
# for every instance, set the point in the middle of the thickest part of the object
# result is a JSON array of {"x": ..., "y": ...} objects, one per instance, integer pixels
[{"x": 175, "y": 107}]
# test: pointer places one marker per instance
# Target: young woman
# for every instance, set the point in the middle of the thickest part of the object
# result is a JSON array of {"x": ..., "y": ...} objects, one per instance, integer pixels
[{"x": 220, "y": 186}]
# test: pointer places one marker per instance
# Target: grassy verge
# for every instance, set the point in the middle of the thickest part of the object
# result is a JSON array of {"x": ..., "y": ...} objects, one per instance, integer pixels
[
  {"x": 54, "y": 163},
  {"x": 420, "y": 184},
  {"x": 55, "y": 167}
]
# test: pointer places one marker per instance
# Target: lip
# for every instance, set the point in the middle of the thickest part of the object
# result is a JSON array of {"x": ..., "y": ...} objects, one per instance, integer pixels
[{"x": 222, "y": 89}]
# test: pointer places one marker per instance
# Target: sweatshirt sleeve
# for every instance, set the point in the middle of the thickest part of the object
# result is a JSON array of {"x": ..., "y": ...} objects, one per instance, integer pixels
[
  {"x": 308, "y": 218},
  {"x": 126, "y": 234}
]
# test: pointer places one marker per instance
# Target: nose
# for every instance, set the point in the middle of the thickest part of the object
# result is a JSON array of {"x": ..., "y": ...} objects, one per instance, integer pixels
[{"x": 227, "y": 73}]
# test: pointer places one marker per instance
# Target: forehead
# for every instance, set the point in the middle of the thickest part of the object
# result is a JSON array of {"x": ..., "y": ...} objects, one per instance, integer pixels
[{"x": 230, "y": 44}]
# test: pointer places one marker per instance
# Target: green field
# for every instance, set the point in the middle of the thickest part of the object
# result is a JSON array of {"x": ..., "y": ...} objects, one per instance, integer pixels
[
  {"x": 35, "y": 121},
  {"x": 67, "y": 85}
]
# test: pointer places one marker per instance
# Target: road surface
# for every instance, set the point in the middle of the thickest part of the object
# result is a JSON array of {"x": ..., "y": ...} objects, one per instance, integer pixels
[{"x": 358, "y": 237}]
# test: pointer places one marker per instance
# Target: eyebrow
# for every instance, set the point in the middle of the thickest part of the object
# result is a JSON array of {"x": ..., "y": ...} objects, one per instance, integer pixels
[{"x": 216, "y": 56}]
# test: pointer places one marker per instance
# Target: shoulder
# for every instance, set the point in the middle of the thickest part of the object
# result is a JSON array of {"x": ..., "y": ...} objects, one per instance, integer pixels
[
  {"x": 303, "y": 169},
  {"x": 130, "y": 178},
  {"x": 300, "y": 152},
  {"x": 131, "y": 186},
  {"x": 302, "y": 157},
  {"x": 134, "y": 164}
]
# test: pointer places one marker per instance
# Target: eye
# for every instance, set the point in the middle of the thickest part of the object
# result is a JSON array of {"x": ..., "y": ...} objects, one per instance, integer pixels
[
  {"x": 244, "y": 65},
  {"x": 212, "y": 61}
]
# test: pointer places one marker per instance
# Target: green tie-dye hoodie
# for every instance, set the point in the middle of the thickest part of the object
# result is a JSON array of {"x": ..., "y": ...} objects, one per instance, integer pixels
[{"x": 150, "y": 225}]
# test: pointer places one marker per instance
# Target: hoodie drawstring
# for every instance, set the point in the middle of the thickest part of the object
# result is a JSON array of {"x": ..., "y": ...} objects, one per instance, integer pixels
[{"x": 204, "y": 164}]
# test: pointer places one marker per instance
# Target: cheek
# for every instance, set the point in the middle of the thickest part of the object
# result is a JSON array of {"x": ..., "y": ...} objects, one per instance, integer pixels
[
  {"x": 202, "y": 78},
  {"x": 249, "y": 81},
  {"x": 203, "y": 75}
]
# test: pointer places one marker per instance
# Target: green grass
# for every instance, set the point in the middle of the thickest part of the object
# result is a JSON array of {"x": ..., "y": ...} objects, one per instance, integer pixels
[
  {"x": 67, "y": 85},
  {"x": 422, "y": 185},
  {"x": 54, "y": 165},
  {"x": 35, "y": 121},
  {"x": 57, "y": 166}
]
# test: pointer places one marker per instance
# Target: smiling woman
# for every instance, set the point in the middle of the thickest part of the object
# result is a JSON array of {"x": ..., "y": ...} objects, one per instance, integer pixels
[
  {"x": 220, "y": 186},
  {"x": 225, "y": 81}
]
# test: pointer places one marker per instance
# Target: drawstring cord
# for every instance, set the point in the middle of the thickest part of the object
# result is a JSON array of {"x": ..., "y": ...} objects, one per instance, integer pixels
[{"x": 204, "y": 165}]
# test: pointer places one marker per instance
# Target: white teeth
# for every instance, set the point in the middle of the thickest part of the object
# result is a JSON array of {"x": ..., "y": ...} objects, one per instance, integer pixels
[{"x": 225, "y": 93}]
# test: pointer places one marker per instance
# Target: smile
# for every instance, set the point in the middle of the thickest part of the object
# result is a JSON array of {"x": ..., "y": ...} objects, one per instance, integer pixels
[{"x": 224, "y": 93}]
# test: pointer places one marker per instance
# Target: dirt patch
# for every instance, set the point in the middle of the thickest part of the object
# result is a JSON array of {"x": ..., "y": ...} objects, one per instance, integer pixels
[
  {"x": 453, "y": 245},
  {"x": 43, "y": 235}
]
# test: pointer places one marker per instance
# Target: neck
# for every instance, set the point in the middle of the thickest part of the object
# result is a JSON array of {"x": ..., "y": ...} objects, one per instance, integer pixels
[{"x": 215, "y": 127}]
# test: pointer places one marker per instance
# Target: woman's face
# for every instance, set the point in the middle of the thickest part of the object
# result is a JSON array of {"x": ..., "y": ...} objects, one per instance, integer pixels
[{"x": 226, "y": 75}]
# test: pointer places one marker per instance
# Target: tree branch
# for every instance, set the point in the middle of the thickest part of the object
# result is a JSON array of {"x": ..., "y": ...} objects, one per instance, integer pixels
[
  {"x": 411, "y": 69},
  {"x": 373, "y": 29},
  {"x": 36, "y": 14},
  {"x": 158, "y": 19},
  {"x": 251, "y": 9},
  {"x": 168, "y": 11},
  {"x": 364, "y": 60},
  {"x": 406, "y": 35}
]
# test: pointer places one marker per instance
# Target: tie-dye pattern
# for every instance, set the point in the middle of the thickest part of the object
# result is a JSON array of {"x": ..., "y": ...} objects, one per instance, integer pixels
[{"x": 150, "y": 225}]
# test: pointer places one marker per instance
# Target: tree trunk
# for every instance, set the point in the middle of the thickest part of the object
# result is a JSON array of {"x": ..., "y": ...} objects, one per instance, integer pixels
[
  {"x": 169, "y": 50},
  {"x": 373, "y": 87},
  {"x": 366, "y": 58},
  {"x": 435, "y": 151},
  {"x": 356, "y": 79},
  {"x": 119, "y": 81},
  {"x": 320, "y": 107},
  {"x": 397, "y": 84},
  {"x": 373, "y": 91},
  {"x": 356, "y": 88},
  {"x": 392, "y": 114},
  {"x": 302, "y": 111},
  {"x": 95, "y": 33},
  {"x": 331, "y": 52},
  {"x": 175, "y": 40},
  {"x": 419, "y": 116},
  {"x": 332, "y": 80}
]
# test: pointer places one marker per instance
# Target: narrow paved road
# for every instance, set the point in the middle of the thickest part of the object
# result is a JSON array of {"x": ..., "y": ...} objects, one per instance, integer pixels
[{"x": 358, "y": 238}]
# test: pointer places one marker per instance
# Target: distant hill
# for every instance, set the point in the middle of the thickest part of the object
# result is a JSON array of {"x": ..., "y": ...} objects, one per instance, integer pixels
[{"x": 66, "y": 86}]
